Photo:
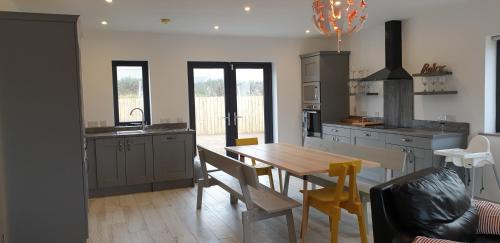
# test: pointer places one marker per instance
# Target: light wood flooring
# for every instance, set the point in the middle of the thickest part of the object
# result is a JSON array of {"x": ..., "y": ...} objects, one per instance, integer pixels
[{"x": 171, "y": 216}]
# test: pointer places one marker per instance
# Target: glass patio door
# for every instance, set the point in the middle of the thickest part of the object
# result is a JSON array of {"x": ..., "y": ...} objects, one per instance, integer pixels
[{"x": 230, "y": 100}]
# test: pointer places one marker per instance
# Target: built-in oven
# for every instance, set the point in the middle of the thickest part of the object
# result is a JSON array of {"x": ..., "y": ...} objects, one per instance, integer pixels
[
  {"x": 311, "y": 124},
  {"x": 311, "y": 93}
]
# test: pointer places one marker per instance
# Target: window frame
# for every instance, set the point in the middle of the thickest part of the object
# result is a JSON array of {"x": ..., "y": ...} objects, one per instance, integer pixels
[
  {"x": 498, "y": 89},
  {"x": 145, "y": 87}
]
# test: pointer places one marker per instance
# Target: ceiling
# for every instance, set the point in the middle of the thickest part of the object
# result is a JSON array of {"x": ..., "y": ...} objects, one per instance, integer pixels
[{"x": 276, "y": 18}]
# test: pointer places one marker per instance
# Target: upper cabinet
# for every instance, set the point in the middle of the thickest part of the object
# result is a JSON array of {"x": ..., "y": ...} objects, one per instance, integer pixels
[{"x": 310, "y": 68}]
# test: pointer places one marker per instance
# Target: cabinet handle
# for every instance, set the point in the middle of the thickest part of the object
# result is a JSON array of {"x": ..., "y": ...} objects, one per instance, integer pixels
[
  {"x": 403, "y": 150},
  {"x": 128, "y": 145},
  {"x": 120, "y": 146},
  {"x": 406, "y": 140},
  {"x": 367, "y": 134},
  {"x": 335, "y": 130},
  {"x": 170, "y": 138}
]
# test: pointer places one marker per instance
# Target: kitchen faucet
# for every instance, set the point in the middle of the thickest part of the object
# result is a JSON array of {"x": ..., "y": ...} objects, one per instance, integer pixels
[{"x": 143, "y": 117}]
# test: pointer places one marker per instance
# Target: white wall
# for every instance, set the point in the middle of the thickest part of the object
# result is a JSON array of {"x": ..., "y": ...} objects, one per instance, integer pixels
[
  {"x": 7, "y": 5},
  {"x": 168, "y": 56},
  {"x": 455, "y": 37}
]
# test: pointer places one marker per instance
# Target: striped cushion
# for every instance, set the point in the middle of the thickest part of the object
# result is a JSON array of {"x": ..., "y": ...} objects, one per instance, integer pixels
[
  {"x": 489, "y": 217},
  {"x": 421, "y": 239}
]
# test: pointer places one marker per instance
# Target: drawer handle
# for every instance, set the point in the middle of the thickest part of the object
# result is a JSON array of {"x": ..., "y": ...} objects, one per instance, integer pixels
[
  {"x": 367, "y": 134},
  {"x": 170, "y": 138},
  {"x": 403, "y": 150},
  {"x": 406, "y": 140},
  {"x": 120, "y": 146},
  {"x": 335, "y": 130}
]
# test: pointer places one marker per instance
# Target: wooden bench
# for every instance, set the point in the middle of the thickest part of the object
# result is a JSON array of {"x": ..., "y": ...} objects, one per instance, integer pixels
[{"x": 241, "y": 181}]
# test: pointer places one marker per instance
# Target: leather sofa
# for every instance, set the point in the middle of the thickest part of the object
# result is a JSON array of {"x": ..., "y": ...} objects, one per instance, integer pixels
[{"x": 433, "y": 203}]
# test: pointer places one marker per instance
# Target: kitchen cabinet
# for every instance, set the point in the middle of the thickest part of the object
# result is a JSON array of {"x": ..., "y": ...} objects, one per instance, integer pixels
[
  {"x": 173, "y": 157},
  {"x": 42, "y": 129},
  {"x": 91, "y": 164},
  {"x": 311, "y": 69},
  {"x": 124, "y": 161},
  {"x": 110, "y": 160},
  {"x": 368, "y": 138},
  {"x": 138, "y": 160}
]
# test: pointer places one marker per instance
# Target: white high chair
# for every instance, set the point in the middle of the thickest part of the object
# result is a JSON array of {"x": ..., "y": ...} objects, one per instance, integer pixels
[{"x": 477, "y": 154}]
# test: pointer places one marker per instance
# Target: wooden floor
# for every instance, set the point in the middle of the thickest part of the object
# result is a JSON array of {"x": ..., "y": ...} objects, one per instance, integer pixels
[{"x": 171, "y": 216}]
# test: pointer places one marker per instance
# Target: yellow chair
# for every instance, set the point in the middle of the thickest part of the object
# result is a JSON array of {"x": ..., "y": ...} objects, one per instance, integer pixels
[
  {"x": 262, "y": 169},
  {"x": 331, "y": 200}
]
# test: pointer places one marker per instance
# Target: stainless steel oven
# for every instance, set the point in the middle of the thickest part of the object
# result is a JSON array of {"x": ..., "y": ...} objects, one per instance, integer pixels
[
  {"x": 311, "y": 94},
  {"x": 311, "y": 124}
]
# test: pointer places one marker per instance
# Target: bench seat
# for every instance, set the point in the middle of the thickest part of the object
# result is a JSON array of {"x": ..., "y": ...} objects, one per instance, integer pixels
[{"x": 264, "y": 198}]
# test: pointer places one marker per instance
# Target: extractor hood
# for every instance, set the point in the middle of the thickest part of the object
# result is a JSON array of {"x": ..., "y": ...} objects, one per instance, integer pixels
[{"x": 393, "y": 56}]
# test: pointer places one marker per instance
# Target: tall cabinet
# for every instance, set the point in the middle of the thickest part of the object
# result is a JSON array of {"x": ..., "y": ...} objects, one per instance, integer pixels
[
  {"x": 41, "y": 129},
  {"x": 331, "y": 69}
]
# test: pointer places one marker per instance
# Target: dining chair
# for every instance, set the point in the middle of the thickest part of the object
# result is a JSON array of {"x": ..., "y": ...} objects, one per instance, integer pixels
[
  {"x": 330, "y": 200},
  {"x": 261, "y": 168}
]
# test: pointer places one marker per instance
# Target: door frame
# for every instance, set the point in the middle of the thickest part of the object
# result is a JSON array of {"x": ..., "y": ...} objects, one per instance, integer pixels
[{"x": 230, "y": 90}]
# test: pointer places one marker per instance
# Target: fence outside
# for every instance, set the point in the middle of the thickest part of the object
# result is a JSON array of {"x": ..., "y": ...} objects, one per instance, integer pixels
[{"x": 210, "y": 113}]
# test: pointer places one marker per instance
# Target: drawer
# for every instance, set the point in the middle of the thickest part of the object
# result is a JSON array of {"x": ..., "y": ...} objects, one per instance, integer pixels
[
  {"x": 171, "y": 137},
  {"x": 337, "y": 139},
  {"x": 337, "y": 131},
  {"x": 409, "y": 141},
  {"x": 366, "y": 134}
]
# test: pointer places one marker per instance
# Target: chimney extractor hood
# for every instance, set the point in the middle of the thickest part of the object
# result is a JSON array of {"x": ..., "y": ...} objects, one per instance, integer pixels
[{"x": 393, "y": 55}]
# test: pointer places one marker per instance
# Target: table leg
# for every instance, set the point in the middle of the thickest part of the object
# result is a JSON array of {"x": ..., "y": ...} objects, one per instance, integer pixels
[
  {"x": 305, "y": 210},
  {"x": 242, "y": 158},
  {"x": 287, "y": 183},
  {"x": 280, "y": 180}
]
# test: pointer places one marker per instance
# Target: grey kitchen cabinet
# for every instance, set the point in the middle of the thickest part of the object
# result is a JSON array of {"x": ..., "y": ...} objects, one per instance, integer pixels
[
  {"x": 110, "y": 160},
  {"x": 91, "y": 164},
  {"x": 124, "y": 161},
  {"x": 311, "y": 69},
  {"x": 42, "y": 129},
  {"x": 368, "y": 138},
  {"x": 138, "y": 160},
  {"x": 173, "y": 158},
  {"x": 338, "y": 139}
]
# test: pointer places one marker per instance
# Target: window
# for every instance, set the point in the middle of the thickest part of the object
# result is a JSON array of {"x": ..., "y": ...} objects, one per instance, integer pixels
[{"x": 130, "y": 91}]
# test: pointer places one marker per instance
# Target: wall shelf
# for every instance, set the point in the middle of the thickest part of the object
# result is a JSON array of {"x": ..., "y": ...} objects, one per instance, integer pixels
[
  {"x": 435, "y": 74},
  {"x": 436, "y": 93},
  {"x": 367, "y": 94}
]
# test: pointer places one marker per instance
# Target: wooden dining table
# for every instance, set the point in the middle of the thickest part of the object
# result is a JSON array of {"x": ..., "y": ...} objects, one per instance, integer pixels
[{"x": 296, "y": 160}]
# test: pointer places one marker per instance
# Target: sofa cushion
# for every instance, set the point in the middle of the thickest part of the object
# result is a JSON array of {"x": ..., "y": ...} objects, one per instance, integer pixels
[
  {"x": 489, "y": 217},
  {"x": 436, "y": 205}
]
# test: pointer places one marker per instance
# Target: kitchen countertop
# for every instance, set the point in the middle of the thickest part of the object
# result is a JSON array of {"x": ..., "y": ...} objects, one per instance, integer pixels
[
  {"x": 132, "y": 133},
  {"x": 416, "y": 132}
]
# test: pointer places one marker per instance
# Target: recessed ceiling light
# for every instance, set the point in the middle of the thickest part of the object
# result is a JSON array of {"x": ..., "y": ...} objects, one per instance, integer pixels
[
  {"x": 109, "y": 1},
  {"x": 104, "y": 22},
  {"x": 216, "y": 27},
  {"x": 165, "y": 20},
  {"x": 338, "y": 3},
  {"x": 248, "y": 8},
  {"x": 308, "y": 31}
]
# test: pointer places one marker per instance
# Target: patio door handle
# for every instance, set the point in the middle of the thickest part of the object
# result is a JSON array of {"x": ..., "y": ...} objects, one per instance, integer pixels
[
  {"x": 235, "y": 119},
  {"x": 228, "y": 119}
]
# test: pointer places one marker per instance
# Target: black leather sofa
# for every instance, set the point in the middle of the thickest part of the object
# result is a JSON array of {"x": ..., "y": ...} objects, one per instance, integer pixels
[{"x": 431, "y": 202}]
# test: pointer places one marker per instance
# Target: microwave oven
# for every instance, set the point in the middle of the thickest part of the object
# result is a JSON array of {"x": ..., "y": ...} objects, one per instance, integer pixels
[{"x": 311, "y": 94}]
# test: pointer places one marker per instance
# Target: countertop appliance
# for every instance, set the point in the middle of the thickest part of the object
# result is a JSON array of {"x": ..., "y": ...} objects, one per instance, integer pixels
[{"x": 311, "y": 95}]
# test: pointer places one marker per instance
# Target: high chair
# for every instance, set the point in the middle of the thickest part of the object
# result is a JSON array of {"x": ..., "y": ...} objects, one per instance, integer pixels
[
  {"x": 331, "y": 200},
  {"x": 262, "y": 169}
]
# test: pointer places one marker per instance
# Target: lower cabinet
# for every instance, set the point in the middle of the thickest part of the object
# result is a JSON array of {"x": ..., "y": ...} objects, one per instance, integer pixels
[
  {"x": 124, "y": 161},
  {"x": 172, "y": 156},
  {"x": 139, "y": 161},
  {"x": 418, "y": 158},
  {"x": 110, "y": 160}
]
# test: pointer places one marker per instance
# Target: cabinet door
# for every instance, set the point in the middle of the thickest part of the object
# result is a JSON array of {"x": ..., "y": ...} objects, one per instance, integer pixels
[
  {"x": 310, "y": 69},
  {"x": 139, "y": 160},
  {"x": 91, "y": 164},
  {"x": 171, "y": 158},
  {"x": 110, "y": 160},
  {"x": 409, "y": 165},
  {"x": 422, "y": 158}
]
